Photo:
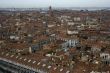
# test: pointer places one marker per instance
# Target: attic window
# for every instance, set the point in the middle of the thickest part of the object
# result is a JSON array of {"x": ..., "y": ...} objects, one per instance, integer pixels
[
  {"x": 29, "y": 60},
  {"x": 20, "y": 58},
  {"x": 44, "y": 65},
  {"x": 67, "y": 71},
  {"x": 2, "y": 53},
  {"x": 49, "y": 67},
  {"x": 34, "y": 62},
  {"x": 55, "y": 68},
  {"x": 7, "y": 54},
  {"x": 25, "y": 59},
  {"x": 38, "y": 63},
  {"x": 11, "y": 56},
  {"x": 17, "y": 57},
  {"x": 61, "y": 69}
]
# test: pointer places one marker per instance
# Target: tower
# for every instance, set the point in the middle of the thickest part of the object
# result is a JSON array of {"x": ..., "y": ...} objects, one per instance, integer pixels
[{"x": 50, "y": 11}]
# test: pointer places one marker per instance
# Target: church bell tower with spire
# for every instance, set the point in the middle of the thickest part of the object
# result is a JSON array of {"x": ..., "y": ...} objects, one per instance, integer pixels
[{"x": 50, "y": 11}]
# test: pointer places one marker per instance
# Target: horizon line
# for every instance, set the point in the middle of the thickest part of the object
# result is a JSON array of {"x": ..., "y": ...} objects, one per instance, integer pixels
[{"x": 56, "y": 7}]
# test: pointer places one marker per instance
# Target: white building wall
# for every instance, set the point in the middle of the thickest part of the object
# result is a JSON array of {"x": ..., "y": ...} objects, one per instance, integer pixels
[{"x": 69, "y": 44}]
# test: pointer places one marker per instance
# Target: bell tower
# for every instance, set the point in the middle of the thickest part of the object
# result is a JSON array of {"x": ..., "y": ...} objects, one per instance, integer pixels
[{"x": 50, "y": 11}]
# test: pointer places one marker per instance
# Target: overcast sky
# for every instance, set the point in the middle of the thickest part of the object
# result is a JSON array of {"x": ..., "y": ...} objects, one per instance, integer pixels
[{"x": 54, "y": 3}]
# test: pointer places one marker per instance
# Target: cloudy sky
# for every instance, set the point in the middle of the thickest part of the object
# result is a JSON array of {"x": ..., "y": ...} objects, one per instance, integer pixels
[{"x": 54, "y": 3}]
